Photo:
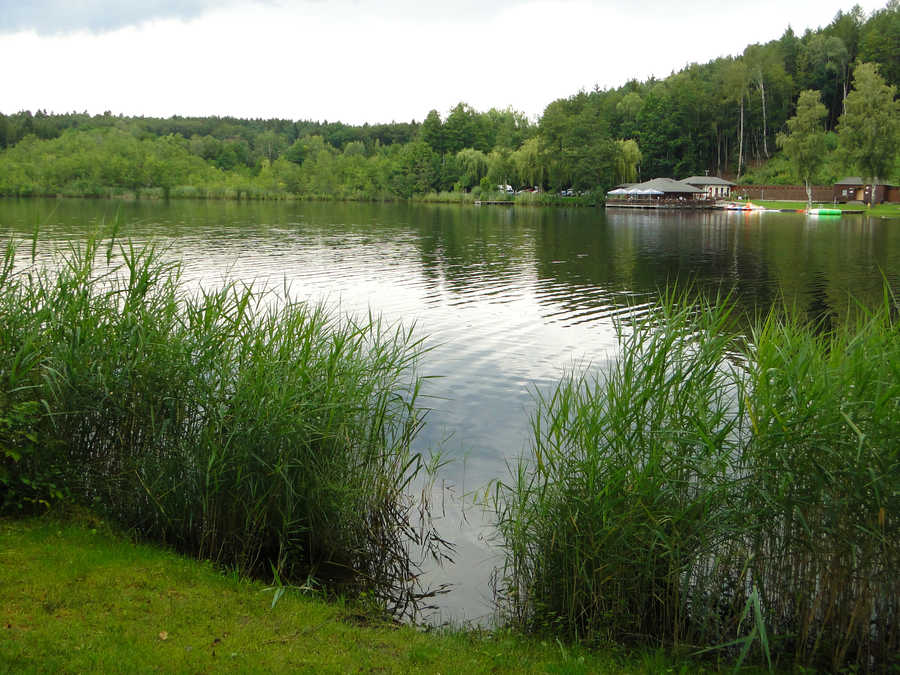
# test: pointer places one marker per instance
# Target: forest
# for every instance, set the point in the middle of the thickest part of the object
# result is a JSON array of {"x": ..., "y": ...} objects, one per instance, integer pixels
[{"x": 729, "y": 117}]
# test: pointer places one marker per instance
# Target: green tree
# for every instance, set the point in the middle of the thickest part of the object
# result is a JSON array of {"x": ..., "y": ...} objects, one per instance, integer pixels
[
  {"x": 508, "y": 128},
  {"x": 4, "y": 131},
  {"x": 460, "y": 129},
  {"x": 628, "y": 159},
  {"x": 501, "y": 169},
  {"x": 432, "y": 132},
  {"x": 869, "y": 129},
  {"x": 528, "y": 163},
  {"x": 466, "y": 128},
  {"x": 269, "y": 145},
  {"x": 878, "y": 42},
  {"x": 420, "y": 165},
  {"x": 657, "y": 131},
  {"x": 627, "y": 109},
  {"x": 473, "y": 166},
  {"x": 804, "y": 144},
  {"x": 736, "y": 86},
  {"x": 825, "y": 63}
]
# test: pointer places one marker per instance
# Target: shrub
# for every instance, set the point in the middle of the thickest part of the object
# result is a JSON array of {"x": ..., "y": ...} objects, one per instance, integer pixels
[
  {"x": 706, "y": 474},
  {"x": 232, "y": 424}
]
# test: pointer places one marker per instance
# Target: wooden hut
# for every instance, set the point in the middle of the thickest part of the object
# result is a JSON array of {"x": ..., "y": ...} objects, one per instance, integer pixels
[{"x": 855, "y": 189}]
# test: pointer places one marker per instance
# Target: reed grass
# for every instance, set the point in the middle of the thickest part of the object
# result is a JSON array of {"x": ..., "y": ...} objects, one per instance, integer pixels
[
  {"x": 553, "y": 199},
  {"x": 263, "y": 434},
  {"x": 445, "y": 197},
  {"x": 706, "y": 474}
]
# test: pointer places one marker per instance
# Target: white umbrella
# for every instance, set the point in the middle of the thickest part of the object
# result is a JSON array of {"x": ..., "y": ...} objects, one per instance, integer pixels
[{"x": 619, "y": 191}]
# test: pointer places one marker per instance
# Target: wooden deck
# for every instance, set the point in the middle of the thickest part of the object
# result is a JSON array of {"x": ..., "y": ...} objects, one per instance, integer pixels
[{"x": 686, "y": 204}]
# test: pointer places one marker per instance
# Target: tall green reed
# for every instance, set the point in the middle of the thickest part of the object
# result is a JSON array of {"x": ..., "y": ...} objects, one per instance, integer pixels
[
  {"x": 824, "y": 490},
  {"x": 705, "y": 473},
  {"x": 604, "y": 521},
  {"x": 257, "y": 432}
]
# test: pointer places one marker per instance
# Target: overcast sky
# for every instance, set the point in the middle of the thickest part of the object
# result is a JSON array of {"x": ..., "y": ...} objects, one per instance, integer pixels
[{"x": 357, "y": 61}]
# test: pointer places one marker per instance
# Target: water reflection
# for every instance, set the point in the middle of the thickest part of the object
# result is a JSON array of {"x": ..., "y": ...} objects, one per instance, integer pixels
[{"x": 509, "y": 297}]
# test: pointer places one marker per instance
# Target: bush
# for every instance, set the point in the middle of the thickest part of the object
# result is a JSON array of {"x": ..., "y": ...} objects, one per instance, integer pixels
[
  {"x": 705, "y": 475},
  {"x": 28, "y": 482},
  {"x": 248, "y": 429}
]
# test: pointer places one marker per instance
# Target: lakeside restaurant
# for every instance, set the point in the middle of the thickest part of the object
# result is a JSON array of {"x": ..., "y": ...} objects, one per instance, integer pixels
[
  {"x": 713, "y": 186},
  {"x": 656, "y": 193}
]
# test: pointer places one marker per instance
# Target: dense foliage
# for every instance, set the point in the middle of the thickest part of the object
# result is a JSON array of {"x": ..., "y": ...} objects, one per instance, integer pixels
[
  {"x": 711, "y": 491},
  {"x": 721, "y": 117},
  {"x": 264, "y": 435}
]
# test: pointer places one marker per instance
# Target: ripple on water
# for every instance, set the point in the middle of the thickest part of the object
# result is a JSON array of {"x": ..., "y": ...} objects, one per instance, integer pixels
[{"x": 508, "y": 299}]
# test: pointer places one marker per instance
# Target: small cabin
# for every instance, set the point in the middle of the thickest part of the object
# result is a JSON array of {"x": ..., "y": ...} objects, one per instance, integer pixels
[{"x": 855, "y": 189}]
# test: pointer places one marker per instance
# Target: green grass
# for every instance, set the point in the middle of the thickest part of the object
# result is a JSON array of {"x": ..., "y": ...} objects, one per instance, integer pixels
[
  {"x": 74, "y": 597},
  {"x": 880, "y": 210},
  {"x": 720, "y": 492},
  {"x": 247, "y": 429}
]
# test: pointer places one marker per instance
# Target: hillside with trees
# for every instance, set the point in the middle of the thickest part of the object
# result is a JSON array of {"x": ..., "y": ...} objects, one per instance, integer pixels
[{"x": 733, "y": 116}]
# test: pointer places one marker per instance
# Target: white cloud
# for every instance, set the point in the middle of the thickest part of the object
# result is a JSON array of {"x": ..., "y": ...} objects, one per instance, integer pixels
[{"x": 357, "y": 61}]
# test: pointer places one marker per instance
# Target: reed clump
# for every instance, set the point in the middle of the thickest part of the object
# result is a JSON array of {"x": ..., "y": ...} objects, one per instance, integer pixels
[
  {"x": 260, "y": 433},
  {"x": 715, "y": 491}
]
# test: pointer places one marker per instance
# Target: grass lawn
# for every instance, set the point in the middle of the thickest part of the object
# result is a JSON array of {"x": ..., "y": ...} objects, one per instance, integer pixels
[
  {"x": 881, "y": 210},
  {"x": 75, "y": 597}
]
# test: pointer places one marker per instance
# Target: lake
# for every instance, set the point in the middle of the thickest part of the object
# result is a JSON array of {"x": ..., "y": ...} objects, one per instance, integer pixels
[{"x": 509, "y": 298}]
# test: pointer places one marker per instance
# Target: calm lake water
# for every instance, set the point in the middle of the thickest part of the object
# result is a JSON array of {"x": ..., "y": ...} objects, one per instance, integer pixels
[{"x": 509, "y": 298}]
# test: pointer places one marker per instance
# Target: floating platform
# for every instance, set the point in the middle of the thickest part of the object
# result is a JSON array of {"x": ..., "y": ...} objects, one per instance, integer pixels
[{"x": 499, "y": 202}]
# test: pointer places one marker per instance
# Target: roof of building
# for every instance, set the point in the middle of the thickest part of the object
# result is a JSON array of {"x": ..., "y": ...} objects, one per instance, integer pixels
[
  {"x": 856, "y": 180},
  {"x": 706, "y": 180},
  {"x": 668, "y": 185}
]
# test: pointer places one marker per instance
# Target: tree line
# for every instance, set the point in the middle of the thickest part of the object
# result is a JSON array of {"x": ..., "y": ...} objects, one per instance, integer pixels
[{"x": 723, "y": 117}]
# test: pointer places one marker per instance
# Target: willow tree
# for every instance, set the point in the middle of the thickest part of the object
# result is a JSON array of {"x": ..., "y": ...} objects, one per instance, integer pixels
[
  {"x": 804, "y": 144},
  {"x": 473, "y": 166},
  {"x": 628, "y": 159}
]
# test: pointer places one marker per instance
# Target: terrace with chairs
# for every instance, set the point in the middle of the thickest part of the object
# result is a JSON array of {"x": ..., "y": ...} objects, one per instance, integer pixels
[{"x": 659, "y": 193}]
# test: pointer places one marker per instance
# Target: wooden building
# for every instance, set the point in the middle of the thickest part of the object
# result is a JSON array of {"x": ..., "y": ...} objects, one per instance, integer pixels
[
  {"x": 855, "y": 189},
  {"x": 713, "y": 186}
]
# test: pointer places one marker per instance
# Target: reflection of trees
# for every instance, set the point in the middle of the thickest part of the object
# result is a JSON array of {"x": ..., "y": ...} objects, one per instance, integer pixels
[
  {"x": 581, "y": 263},
  {"x": 644, "y": 253},
  {"x": 820, "y": 264},
  {"x": 469, "y": 247},
  {"x": 761, "y": 258}
]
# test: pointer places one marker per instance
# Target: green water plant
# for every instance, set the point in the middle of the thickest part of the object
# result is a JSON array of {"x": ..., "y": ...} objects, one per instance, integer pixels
[
  {"x": 717, "y": 488},
  {"x": 231, "y": 422}
]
